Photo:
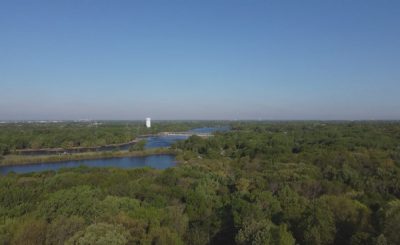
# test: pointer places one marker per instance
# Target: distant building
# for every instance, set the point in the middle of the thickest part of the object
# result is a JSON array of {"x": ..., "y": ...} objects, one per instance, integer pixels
[{"x": 148, "y": 122}]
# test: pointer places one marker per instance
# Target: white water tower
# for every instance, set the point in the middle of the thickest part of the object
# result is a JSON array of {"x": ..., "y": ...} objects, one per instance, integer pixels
[{"x": 148, "y": 122}]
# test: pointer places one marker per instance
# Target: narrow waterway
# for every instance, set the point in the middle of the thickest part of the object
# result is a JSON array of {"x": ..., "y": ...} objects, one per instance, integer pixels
[{"x": 154, "y": 161}]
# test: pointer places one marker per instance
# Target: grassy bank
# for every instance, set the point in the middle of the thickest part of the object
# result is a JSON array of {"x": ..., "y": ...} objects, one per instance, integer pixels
[{"x": 20, "y": 160}]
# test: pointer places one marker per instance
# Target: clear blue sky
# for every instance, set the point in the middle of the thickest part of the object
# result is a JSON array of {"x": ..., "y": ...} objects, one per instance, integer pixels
[{"x": 322, "y": 59}]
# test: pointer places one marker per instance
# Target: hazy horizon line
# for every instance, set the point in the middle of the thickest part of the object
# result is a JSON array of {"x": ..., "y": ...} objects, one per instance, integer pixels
[{"x": 209, "y": 119}]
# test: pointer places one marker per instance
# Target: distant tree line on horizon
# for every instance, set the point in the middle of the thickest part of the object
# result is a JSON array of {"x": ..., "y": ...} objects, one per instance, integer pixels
[{"x": 18, "y": 136}]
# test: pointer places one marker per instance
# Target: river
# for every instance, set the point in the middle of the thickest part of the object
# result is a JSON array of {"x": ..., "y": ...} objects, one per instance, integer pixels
[{"x": 154, "y": 161}]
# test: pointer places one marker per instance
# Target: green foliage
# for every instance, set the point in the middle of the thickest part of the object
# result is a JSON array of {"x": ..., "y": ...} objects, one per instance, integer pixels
[
  {"x": 255, "y": 232},
  {"x": 350, "y": 216},
  {"x": 62, "y": 228},
  {"x": 260, "y": 183},
  {"x": 292, "y": 205},
  {"x": 392, "y": 222},
  {"x": 113, "y": 205},
  {"x": 318, "y": 224},
  {"x": 101, "y": 234},
  {"x": 283, "y": 236},
  {"x": 381, "y": 240},
  {"x": 264, "y": 232},
  {"x": 31, "y": 232},
  {"x": 80, "y": 201},
  {"x": 139, "y": 146}
]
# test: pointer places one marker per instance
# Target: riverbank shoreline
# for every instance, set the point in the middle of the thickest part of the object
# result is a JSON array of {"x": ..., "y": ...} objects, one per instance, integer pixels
[
  {"x": 15, "y": 160},
  {"x": 87, "y": 149},
  {"x": 76, "y": 149}
]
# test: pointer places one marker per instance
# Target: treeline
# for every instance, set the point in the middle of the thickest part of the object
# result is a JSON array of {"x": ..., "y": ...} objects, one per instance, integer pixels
[
  {"x": 260, "y": 183},
  {"x": 15, "y": 136}
]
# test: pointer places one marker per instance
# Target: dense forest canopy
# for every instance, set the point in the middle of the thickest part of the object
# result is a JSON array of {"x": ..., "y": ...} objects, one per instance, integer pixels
[{"x": 260, "y": 183}]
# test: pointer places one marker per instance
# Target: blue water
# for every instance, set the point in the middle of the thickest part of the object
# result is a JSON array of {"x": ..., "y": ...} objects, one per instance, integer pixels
[
  {"x": 162, "y": 141},
  {"x": 154, "y": 161},
  {"x": 166, "y": 141}
]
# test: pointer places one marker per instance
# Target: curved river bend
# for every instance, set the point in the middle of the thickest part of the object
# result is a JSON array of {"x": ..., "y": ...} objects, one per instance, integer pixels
[{"x": 155, "y": 161}]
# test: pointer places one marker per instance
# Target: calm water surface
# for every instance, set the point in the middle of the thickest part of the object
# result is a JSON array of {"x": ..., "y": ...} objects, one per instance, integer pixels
[
  {"x": 162, "y": 141},
  {"x": 166, "y": 141},
  {"x": 154, "y": 161}
]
